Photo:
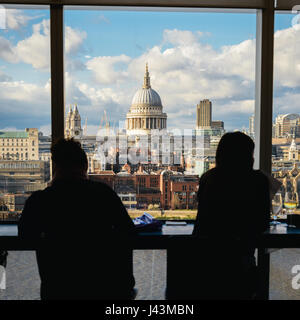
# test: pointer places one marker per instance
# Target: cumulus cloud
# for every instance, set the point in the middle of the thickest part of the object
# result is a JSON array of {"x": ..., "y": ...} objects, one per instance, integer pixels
[
  {"x": 7, "y": 51},
  {"x": 180, "y": 37},
  {"x": 20, "y": 91},
  {"x": 183, "y": 69},
  {"x": 4, "y": 77},
  {"x": 16, "y": 19},
  {"x": 73, "y": 39},
  {"x": 24, "y": 104},
  {"x": 287, "y": 103},
  {"x": 35, "y": 49},
  {"x": 287, "y": 57},
  {"x": 105, "y": 69},
  {"x": 93, "y": 101},
  {"x": 190, "y": 70}
]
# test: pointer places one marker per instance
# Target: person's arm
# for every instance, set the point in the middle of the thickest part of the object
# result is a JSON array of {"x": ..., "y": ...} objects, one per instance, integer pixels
[
  {"x": 265, "y": 208},
  {"x": 262, "y": 202},
  {"x": 29, "y": 226},
  {"x": 122, "y": 223}
]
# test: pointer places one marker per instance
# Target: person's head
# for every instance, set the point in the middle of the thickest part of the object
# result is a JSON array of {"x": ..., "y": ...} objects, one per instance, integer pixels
[
  {"x": 235, "y": 150},
  {"x": 69, "y": 159}
]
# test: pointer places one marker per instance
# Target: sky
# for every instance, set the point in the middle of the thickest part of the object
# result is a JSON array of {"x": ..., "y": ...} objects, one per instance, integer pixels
[{"x": 191, "y": 56}]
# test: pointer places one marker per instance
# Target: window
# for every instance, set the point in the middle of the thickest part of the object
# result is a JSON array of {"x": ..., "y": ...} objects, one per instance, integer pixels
[
  {"x": 189, "y": 61},
  {"x": 24, "y": 99},
  {"x": 286, "y": 139},
  {"x": 100, "y": 104}
]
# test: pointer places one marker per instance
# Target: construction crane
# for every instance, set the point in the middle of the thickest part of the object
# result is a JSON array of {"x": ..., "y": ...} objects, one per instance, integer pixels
[
  {"x": 85, "y": 127},
  {"x": 104, "y": 119}
]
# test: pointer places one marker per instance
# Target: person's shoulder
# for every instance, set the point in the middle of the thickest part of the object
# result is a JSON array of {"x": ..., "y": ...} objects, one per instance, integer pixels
[
  {"x": 98, "y": 185},
  {"x": 209, "y": 174},
  {"x": 36, "y": 195},
  {"x": 260, "y": 178},
  {"x": 259, "y": 175}
]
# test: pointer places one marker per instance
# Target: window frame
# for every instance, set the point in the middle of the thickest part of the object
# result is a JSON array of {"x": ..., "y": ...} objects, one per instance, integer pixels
[{"x": 263, "y": 81}]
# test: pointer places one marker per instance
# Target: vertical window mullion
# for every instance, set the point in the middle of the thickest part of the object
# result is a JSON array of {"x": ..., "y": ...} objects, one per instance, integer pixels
[
  {"x": 264, "y": 87},
  {"x": 263, "y": 117},
  {"x": 57, "y": 72}
]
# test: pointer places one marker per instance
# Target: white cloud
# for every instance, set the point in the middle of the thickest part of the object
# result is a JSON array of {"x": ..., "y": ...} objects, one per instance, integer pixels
[
  {"x": 35, "y": 50},
  {"x": 46, "y": 129},
  {"x": 287, "y": 103},
  {"x": 287, "y": 57},
  {"x": 183, "y": 71},
  {"x": 7, "y": 51},
  {"x": 16, "y": 19},
  {"x": 235, "y": 106},
  {"x": 105, "y": 70},
  {"x": 236, "y": 60},
  {"x": 73, "y": 39},
  {"x": 4, "y": 77},
  {"x": 180, "y": 37},
  {"x": 21, "y": 94},
  {"x": 190, "y": 70}
]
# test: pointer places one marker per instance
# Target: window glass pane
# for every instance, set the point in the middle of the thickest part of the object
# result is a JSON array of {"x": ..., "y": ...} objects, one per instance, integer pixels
[
  {"x": 24, "y": 133},
  {"x": 286, "y": 139},
  {"x": 24, "y": 106},
  {"x": 149, "y": 93}
]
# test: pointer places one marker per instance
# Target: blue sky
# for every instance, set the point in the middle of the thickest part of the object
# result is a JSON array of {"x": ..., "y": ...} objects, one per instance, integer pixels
[
  {"x": 191, "y": 56},
  {"x": 109, "y": 26}
]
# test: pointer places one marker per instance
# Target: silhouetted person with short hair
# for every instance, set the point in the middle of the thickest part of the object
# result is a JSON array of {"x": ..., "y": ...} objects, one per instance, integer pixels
[
  {"x": 85, "y": 231},
  {"x": 233, "y": 204}
]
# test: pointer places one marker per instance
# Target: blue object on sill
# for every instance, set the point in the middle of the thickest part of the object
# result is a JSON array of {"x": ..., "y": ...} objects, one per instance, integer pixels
[{"x": 147, "y": 223}]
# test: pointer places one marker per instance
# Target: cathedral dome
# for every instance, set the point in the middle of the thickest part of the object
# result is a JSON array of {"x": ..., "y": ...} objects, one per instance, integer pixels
[
  {"x": 146, "y": 96},
  {"x": 146, "y": 111}
]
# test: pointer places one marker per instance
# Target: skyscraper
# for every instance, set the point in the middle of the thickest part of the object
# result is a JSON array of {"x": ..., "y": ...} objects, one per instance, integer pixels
[
  {"x": 204, "y": 114},
  {"x": 251, "y": 125}
]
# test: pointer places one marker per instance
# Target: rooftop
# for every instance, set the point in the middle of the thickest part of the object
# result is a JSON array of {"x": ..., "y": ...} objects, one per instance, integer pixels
[{"x": 13, "y": 134}]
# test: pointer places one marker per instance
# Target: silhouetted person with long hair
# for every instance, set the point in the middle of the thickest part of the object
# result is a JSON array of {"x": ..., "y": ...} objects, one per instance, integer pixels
[
  {"x": 85, "y": 232},
  {"x": 233, "y": 204}
]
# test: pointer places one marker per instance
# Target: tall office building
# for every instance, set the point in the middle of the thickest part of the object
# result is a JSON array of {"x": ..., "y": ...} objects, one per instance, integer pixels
[
  {"x": 204, "y": 114},
  {"x": 218, "y": 124},
  {"x": 287, "y": 125},
  {"x": 251, "y": 125}
]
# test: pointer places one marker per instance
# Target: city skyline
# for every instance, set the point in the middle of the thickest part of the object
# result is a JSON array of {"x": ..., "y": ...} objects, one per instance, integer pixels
[{"x": 190, "y": 59}]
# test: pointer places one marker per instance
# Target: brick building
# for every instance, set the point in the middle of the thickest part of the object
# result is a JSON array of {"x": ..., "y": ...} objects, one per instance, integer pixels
[{"x": 169, "y": 189}]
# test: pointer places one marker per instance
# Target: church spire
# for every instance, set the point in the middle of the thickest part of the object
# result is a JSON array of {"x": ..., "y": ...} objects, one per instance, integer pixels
[{"x": 146, "y": 78}]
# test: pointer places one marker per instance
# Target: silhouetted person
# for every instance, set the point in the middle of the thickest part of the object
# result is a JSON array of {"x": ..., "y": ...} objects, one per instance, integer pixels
[
  {"x": 85, "y": 228},
  {"x": 233, "y": 204}
]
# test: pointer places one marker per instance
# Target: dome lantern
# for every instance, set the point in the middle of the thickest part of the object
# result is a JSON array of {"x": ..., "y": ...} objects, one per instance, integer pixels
[{"x": 147, "y": 79}]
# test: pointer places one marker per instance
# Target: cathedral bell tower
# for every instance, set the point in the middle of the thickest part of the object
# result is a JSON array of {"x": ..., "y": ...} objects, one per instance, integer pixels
[{"x": 73, "y": 124}]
